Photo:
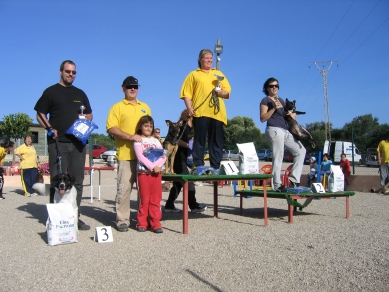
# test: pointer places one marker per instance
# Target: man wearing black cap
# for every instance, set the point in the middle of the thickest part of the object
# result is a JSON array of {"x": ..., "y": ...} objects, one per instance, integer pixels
[{"x": 121, "y": 123}]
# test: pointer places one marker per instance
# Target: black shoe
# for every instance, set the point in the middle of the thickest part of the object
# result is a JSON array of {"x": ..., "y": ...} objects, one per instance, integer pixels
[
  {"x": 293, "y": 184},
  {"x": 123, "y": 227},
  {"x": 158, "y": 230},
  {"x": 82, "y": 225},
  {"x": 281, "y": 189},
  {"x": 141, "y": 229}
]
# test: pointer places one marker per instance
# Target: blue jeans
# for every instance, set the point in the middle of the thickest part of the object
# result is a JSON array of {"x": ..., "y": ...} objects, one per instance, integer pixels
[{"x": 72, "y": 162}]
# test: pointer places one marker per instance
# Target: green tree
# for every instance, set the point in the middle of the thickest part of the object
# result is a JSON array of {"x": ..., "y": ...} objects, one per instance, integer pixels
[
  {"x": 15, "y": 126},
  {"x": 364, "y": 131},
  {"x": 104, "y": 140},
  {"x": 242, "y": 130},
  {"x": 317, "y": 130}
]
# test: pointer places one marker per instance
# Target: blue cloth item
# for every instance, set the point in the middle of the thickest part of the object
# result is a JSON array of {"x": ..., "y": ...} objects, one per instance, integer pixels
[
  {"x": 153, "y": 154},
  {"x": 298, "y": 190},
  {"x": 204, "y": 170},
  {"x": 82, "y": 128}
]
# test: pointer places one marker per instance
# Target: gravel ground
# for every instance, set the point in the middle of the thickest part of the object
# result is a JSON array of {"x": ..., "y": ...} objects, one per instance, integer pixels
[{"x": 320, "y": 251}]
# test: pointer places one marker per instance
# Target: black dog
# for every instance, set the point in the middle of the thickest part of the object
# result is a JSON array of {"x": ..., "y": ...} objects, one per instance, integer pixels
[
  {"x": 170, "y": 143},
  {"x": 298, "y": 131}
]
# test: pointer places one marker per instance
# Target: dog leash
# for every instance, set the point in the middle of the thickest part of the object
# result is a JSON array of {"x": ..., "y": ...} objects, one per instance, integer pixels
[
  {"x": 182, "y": 133},
  {"x": 50, "y": 133},
  {"x": 214, "y": 101}
]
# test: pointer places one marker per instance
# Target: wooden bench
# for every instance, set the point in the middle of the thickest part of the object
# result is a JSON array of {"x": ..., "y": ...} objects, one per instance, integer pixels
[{"x": 292, "y": 198}]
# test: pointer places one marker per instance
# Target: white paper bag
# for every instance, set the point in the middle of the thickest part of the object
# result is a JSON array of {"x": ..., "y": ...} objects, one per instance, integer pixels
[
  {"x": 248, "y": 158},
  {"x": 336, "y": 178},
  {"x": 61, "y": 225}
]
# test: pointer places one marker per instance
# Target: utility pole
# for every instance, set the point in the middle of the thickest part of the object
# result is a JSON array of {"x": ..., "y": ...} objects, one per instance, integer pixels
[
  {"x": 218, "y": 50},
  {"x": 324, "y": 73}
]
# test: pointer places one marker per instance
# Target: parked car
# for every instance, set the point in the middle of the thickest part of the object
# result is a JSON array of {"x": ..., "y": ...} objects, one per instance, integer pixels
[
  {"x": 111, "y": 152},
  {"x": 288, "y": 156},
  {"x": 313, "y": 154},
  {"x": 230, "y": 155},
  {"x": 370, "y": 157},
  {"x": 98, "y": 150},
  {"x": 263, "y": 154}
]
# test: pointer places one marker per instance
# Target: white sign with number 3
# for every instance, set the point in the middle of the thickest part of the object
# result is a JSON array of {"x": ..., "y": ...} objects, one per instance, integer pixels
[{"x": 103, "y": 234}]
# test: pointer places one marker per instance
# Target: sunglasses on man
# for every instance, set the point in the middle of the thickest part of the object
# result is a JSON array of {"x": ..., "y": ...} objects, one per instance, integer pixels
[
  {"x": 272, "y": 86},
  {"x": 71, "y": 71}
]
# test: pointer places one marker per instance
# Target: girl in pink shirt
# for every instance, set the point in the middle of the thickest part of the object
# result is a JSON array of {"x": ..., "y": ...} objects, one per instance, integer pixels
[{"x": 149, "y": 178}]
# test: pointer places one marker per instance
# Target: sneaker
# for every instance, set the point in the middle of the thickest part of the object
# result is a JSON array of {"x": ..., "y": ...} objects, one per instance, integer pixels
[
  {"x": 172, "y": 210},
  {"x": 158, "y": 230},
  {"x": 2, "y": 198},
  {"x": 293, "y": 184},
  {"x": 141, "y": 229},
  {"x": 82, "y": 225},
  {"x": 281, "y": 189},
  {"x": 33, "y": 195},
  {"x": 199, "y": 209},
  {"x": 27, "y": 195},
  {"x": 123, "y": 227}
]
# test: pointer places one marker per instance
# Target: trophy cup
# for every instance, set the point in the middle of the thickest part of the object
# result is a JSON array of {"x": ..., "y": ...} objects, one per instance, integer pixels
[
  {"x": 82, "y": 108},
  {"x": 219, "y": 78}
]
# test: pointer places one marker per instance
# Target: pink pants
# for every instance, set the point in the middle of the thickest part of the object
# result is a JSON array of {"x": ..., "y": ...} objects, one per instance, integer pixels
[{"x": 150, "y": 195}]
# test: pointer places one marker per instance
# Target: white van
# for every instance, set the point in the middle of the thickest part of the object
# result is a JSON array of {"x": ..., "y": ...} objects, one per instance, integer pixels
[{"x": 336, "y": 148}]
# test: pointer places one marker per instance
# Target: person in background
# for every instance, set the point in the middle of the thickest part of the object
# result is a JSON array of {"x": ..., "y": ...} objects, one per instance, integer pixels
[
  {"x": 180, "y": 167},
  {"x": 189, "y": 160},
  {"x": 64, "y": 102},
  {"x": 312, "y": 171},
  {"x": 157, "y": 134},
  {"x": 383, "y": 161},
  {"x": 122, "y": 120},
  {"x": 205, "y": 103},
  {"x": 325, "y": 166},
  {"x": 28, "y": 164},
  {"x": 272, "y": 110},
  {"x": 345, "y": 166},
  {"x": 5, "y": 148},
  {"x": 149, "y": 178}
]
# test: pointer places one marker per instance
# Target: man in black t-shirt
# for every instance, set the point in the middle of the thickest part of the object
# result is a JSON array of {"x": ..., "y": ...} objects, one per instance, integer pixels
[{"x": 63, "y": 103}]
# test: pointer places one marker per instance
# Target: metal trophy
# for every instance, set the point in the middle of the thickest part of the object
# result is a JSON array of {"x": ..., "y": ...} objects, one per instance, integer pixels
[
  {"x": 219, "y": 78},
  {"x": 82, "y": 108}
]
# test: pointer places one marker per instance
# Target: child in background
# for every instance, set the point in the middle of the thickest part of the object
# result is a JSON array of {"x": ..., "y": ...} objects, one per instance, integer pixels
[
  {"x": 5, "y": 147},
  {"x": 326, "y": 165},
  {"x": 149, "y": 178},
  {"x": 312, "y": 171},
  {"x": 345, "y": 166}
]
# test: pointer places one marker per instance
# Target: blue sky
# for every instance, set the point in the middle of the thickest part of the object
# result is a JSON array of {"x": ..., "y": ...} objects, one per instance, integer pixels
[{"x": 158, "y": 42}]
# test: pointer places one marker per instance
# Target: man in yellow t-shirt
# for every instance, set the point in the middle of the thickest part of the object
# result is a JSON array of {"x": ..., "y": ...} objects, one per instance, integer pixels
[
  {"x": 383, "y": 160},
  {"x": 121, "y": 123},
  {"x": 204, "y": 97}
]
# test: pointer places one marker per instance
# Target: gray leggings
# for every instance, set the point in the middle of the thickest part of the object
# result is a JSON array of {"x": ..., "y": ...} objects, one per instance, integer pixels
[{"x": 279, "y": 139}]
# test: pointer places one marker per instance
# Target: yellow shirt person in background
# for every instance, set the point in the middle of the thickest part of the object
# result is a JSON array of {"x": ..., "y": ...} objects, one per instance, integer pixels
[
  {"x": 28, "y": 165},
  {"x": 5, "y": 147},
  {"x": 383, "y": 160}
]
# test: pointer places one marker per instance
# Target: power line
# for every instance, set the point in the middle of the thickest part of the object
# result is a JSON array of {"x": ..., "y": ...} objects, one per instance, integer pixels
[
  {"x": 356, "y": 29},
  {"x": 335, "y": 29},
  {"x": 365, "y": 40}
]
